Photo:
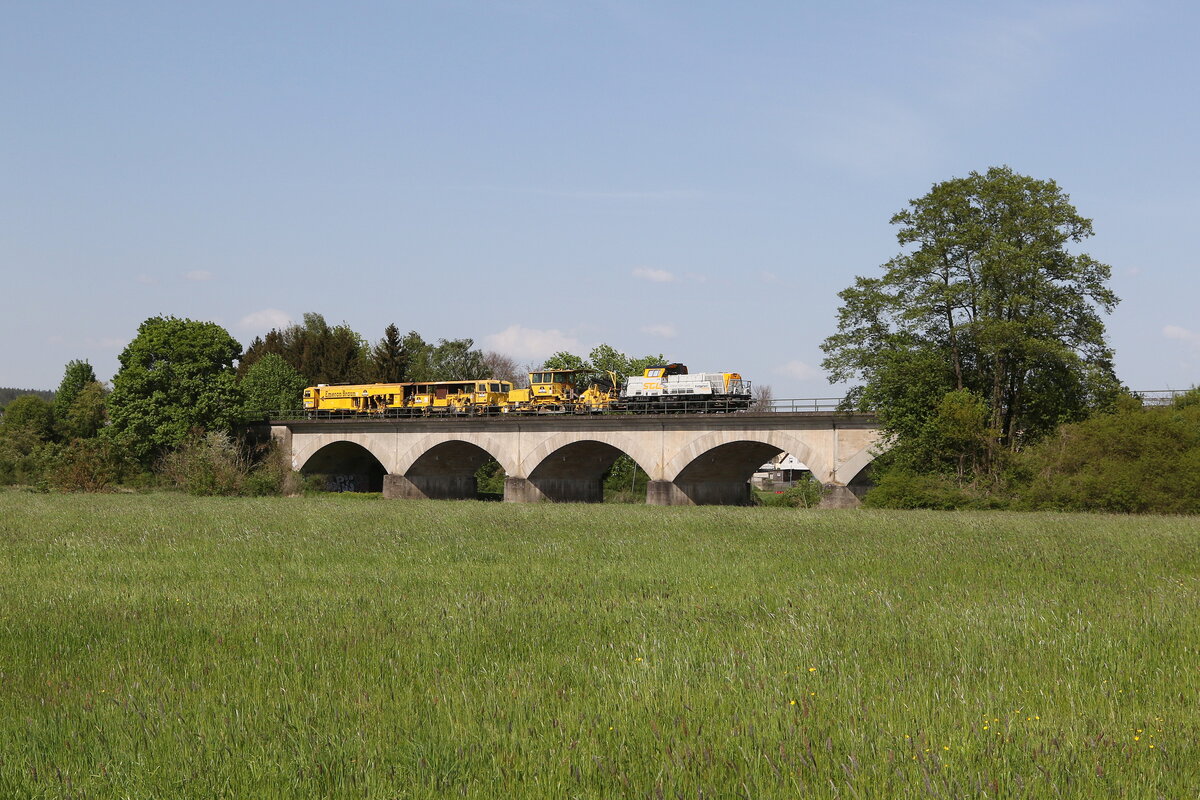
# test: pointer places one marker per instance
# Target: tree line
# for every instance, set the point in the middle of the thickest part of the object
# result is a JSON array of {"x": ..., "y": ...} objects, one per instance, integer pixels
[
  {"x": 179, "y": 404},
  {"x": 182, "y": 382}
]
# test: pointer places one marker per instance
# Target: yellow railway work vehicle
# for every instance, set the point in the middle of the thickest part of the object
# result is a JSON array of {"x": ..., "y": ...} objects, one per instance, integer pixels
[
  {"x": 558, "y": 391},
  {"x": 457, "y": 397},
  {"x": 666, "y": 387},
  {"x": 350, "y": 398},
  {"x": 406, "y": 399}
]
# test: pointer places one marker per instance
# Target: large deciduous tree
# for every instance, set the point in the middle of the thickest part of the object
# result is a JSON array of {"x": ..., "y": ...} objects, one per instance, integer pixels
[
  {"x": 79, "y": 402},
  {"x": 503, "y": 367},
  {"x": 76, "y": 375},
  {"x": 84, "y": 418},
  {"x": 176, "y": 375},
  {"x": 31, "y": 414},
  {"x": 25, "y": 429},
  {"x": 321, "y": 352},
  {"x": 448, "y": 360},
  {"x": 457, "y": 360},
  {"x": 987, "y": 301},
  {"x": 272, "y": 385}
]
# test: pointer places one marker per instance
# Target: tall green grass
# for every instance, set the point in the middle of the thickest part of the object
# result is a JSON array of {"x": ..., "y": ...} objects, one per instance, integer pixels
[{"x": 168, "y": 646}]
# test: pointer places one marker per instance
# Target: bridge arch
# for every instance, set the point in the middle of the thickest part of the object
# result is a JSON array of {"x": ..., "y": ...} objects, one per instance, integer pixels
[
  {"x": 443, "y": 466},
  {"x": 346, "y": 466},
  {"x": 646, "y": 457},
  {"x": 304, "y": 448},
  {"x": 716, "y": 445},
  {"x": 573, "y": 473},
  {"x": 854, "y": 469},
  {"x": 418, "y": 451}
]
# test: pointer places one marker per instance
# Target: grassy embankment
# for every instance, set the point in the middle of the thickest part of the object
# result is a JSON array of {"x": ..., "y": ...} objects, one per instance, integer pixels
[{"x": 167, "y": 646}]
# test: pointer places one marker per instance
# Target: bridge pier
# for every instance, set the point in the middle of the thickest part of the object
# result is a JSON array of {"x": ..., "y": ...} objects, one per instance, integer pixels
[
  {"x": 556, "y": 490},
  {"x": 699, "y": 493},
  {"x": 430, "y": 487},
  {"x": 835, "y": 495}
]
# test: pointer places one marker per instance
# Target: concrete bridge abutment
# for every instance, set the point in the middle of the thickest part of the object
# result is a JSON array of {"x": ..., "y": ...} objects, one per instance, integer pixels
[
  {"x": 699, "y": 493},
  {"x": 554, "y": 490},
  {"x": 430, "y": 487}
]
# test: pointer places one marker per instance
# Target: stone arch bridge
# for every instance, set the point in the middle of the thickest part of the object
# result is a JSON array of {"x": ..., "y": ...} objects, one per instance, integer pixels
[{"x": 691, "y": 459}]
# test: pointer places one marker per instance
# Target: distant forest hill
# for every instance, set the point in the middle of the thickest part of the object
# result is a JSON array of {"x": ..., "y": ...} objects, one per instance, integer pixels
[{"x": 7, "y": 395}]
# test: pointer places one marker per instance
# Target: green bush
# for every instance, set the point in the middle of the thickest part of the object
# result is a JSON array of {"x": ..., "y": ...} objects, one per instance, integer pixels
[
  {"x": 805, "y": 493},
  {"x": 900, "y": 489},
  {"x": 214, "y": 463},
  {"x": 625, "y": 482},
  {"x": 1138, "y": 460},
  {"x": 24, "y": 458},
  {"x": 489, "y": 480},
  {"x": 910, "y": 490},
  {"x": 1187, "y": 399},
  {"x": 88, "y": 465}
]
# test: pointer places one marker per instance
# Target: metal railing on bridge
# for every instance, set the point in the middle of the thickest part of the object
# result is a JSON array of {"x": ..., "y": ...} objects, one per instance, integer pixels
[
  {"x": 675, "y": 406},
  {"x": 1160, "y": 397},
  {"x": 822, "y": 405},
  {"x": 825, "y": 404}
]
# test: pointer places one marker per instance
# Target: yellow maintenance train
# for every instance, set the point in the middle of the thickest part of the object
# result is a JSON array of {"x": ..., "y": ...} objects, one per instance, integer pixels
[{"x": 666, "y": 387}]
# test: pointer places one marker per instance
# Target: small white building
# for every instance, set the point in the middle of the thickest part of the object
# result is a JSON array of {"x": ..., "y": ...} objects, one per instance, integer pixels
[{"x": 780, "y": 472}]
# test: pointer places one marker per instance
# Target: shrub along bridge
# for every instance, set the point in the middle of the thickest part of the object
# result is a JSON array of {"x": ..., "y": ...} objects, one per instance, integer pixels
[{"x": 692, "y": 459}]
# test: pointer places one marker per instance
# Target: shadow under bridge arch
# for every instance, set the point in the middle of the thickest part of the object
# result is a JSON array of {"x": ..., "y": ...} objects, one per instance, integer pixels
[
  {"x": 345, "y": 467},
  {"x": 717, "y": 476},
  {"x": 572, "y": 473},
  {"x": 446, "y": 471}
]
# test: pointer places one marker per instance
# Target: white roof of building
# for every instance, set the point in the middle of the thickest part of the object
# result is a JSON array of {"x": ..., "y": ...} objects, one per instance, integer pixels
[{"x": 783, "y": 461}]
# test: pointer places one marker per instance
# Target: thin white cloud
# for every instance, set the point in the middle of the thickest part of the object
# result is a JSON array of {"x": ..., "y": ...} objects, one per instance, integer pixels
[
  {"x": 264, "y": 320},
  {"x": 653, "y": 195},
  {"x": 199, "y": 275},
  {"x": 147, "y": 280},
  {"x": 109, "y": 343},
  {"x": 531, "y": 343},
  {"x": 666, "y": 331},
  {"x": 1182, "y": 334},
  {"x": 653, "y": 275},
  {"x": 798, "y": 369}
]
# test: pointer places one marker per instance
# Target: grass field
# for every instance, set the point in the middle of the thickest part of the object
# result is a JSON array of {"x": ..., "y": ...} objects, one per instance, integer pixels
[{"x": 168, "y": 646}]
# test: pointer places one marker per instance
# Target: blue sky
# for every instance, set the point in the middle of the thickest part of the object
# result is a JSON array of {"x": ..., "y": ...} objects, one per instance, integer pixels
[{"x": 698, "y": 179}]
